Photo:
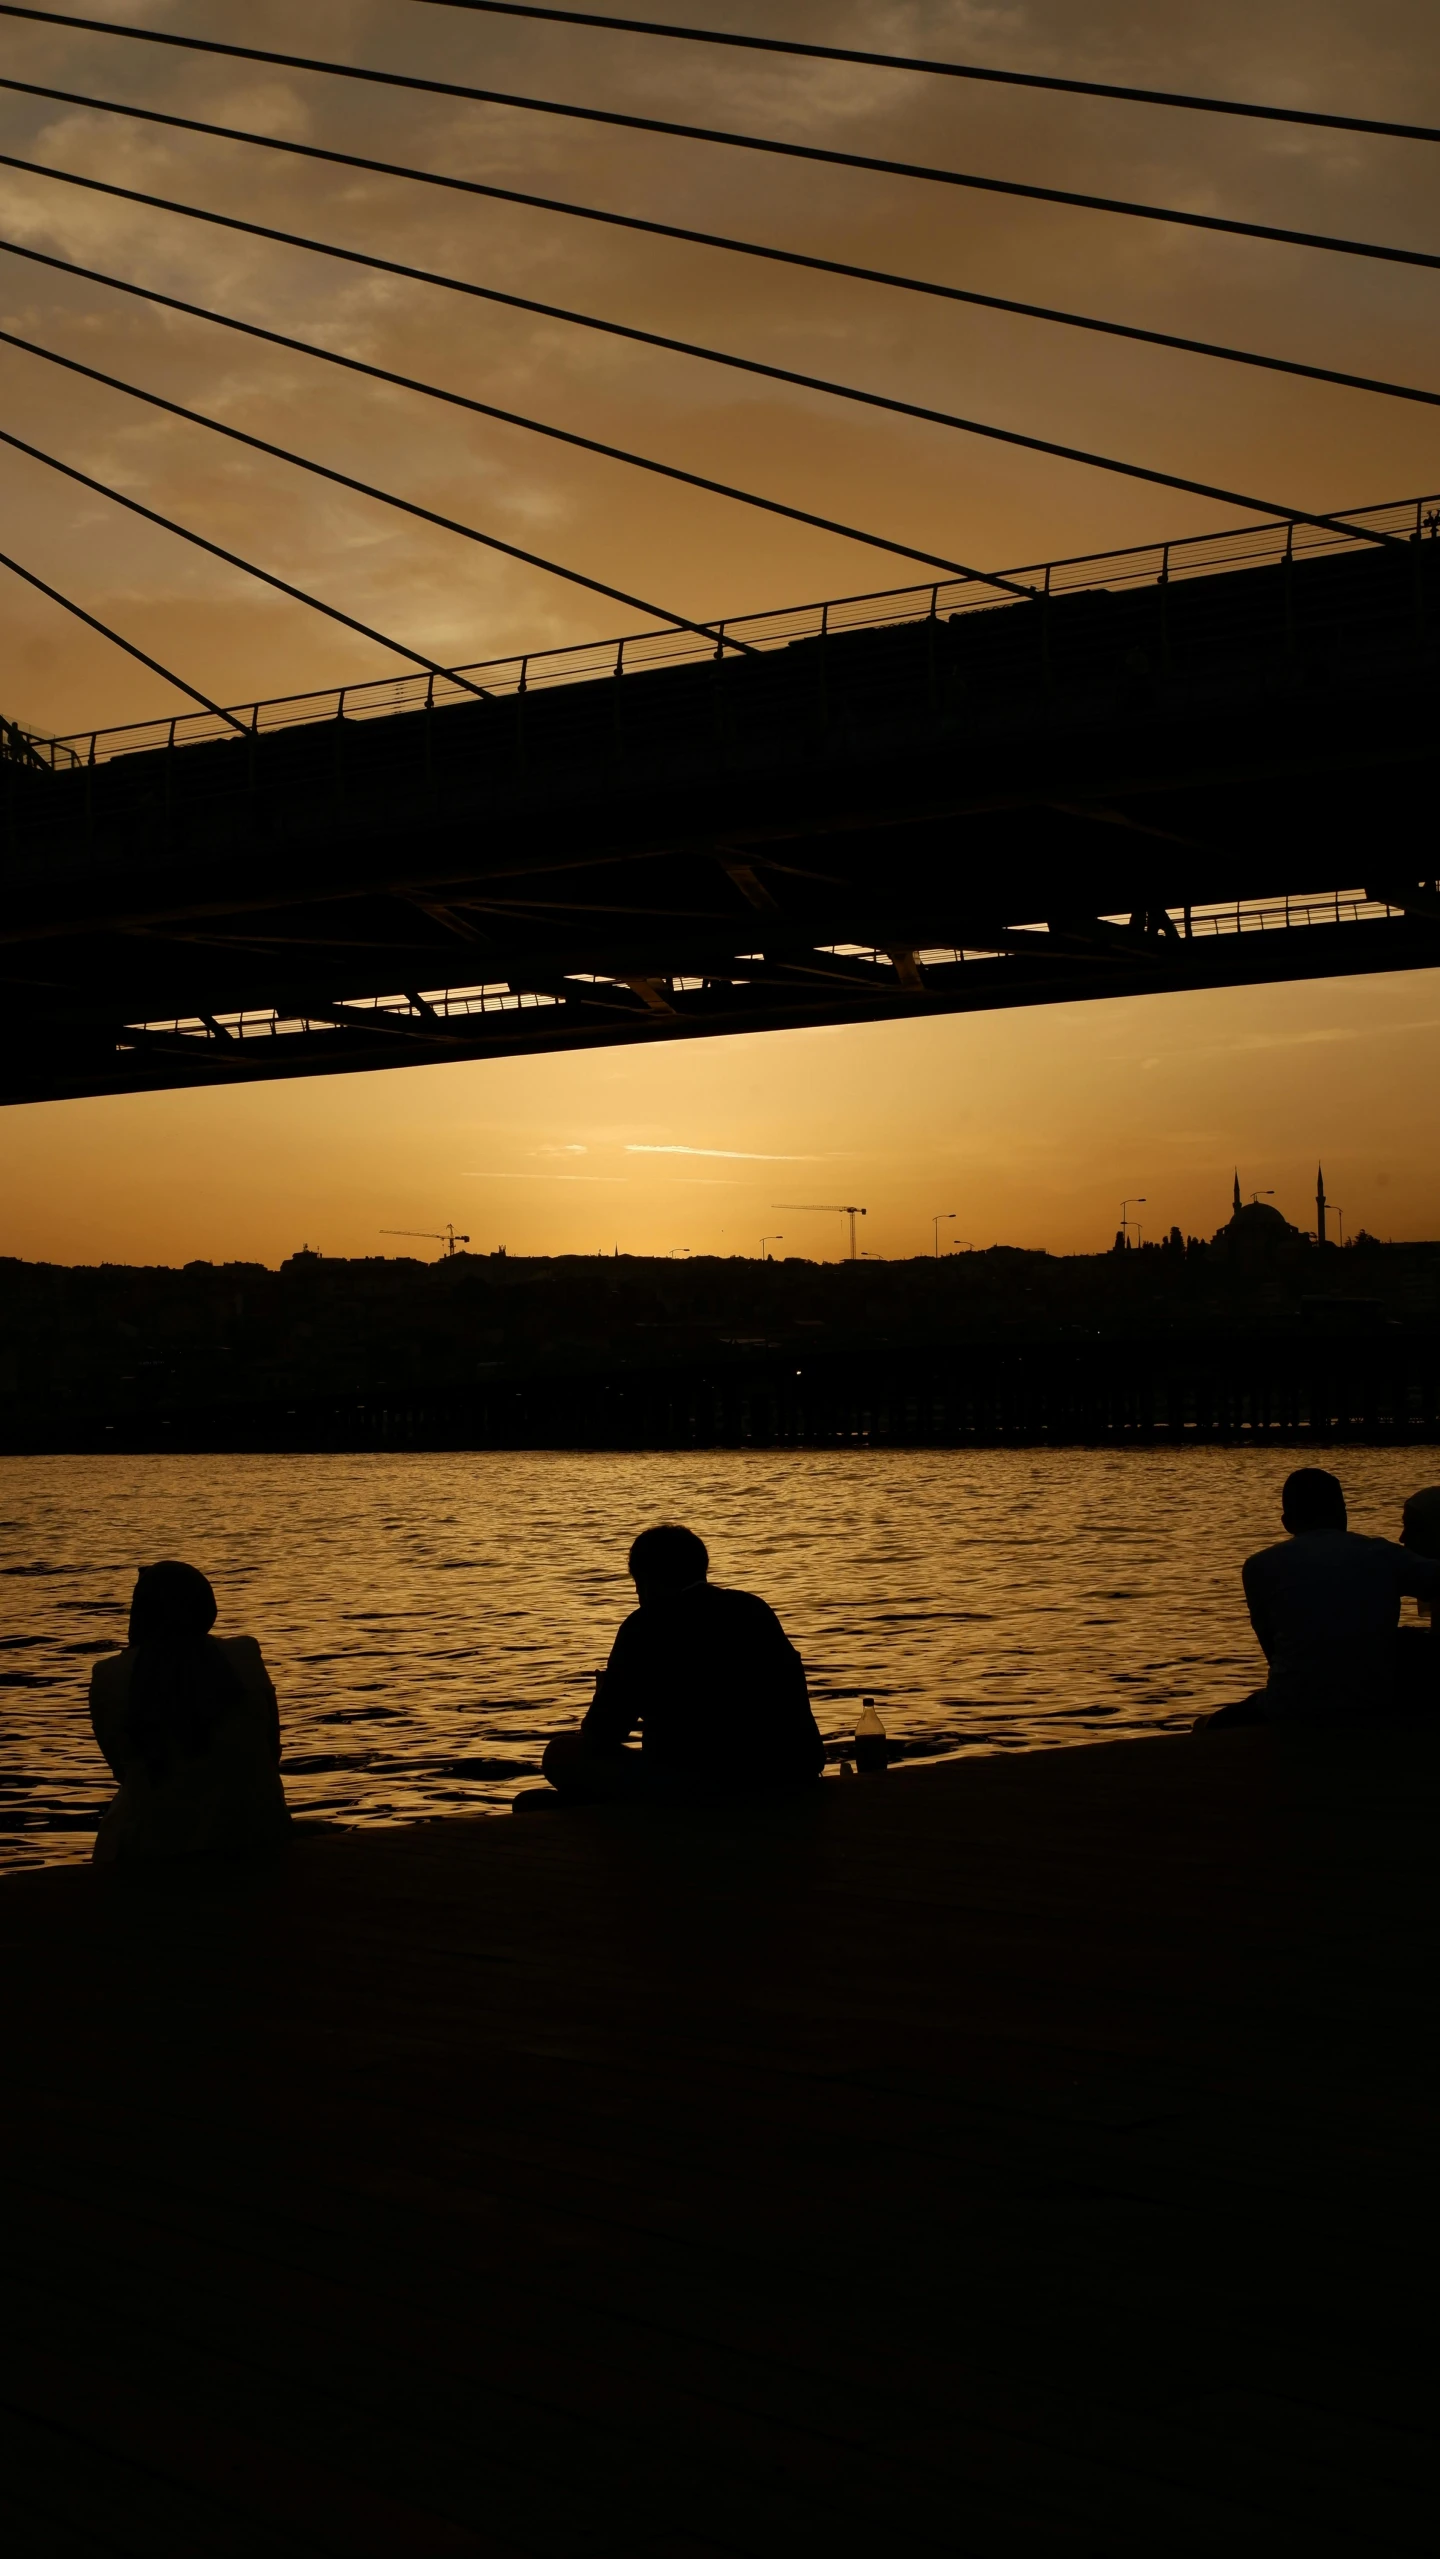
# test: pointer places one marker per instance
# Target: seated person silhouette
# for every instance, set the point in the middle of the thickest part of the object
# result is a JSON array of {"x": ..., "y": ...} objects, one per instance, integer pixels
[
  {"x": 1325, "y": 1606},
  {"x": 189, "y": 1725},
  {"x": 712, "y": 1682},
  {"x": 1418, "y": 1647}
]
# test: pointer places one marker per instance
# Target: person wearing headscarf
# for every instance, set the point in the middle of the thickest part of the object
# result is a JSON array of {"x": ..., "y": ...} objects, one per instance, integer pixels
[{"x": 188, "y": 1723}]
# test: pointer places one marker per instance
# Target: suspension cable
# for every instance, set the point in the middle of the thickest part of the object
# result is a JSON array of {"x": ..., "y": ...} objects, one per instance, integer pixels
[
  {"x": 916, "y": 62},
  {"x": 120, "y": 642},
  {"x": 929, "y": 64},
  {"x": 673, "y": 346},
  {"x": 217, "y": 550},
  {"x": 385, "y": 497},
  {"x": 746, "y": 249},
  {"x": 807, "y": 151},
  {"x": 481, "y": 408}
]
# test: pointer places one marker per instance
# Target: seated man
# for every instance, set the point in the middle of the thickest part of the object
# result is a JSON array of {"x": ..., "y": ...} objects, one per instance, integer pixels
[
  {"x": 710, "y": 1678},
  {"x": 1326, "y": 1609}
]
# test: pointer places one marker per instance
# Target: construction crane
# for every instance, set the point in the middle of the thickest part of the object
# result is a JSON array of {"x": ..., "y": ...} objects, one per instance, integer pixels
[
  {"x": 816, "y": 1208},
  {"x": 427, "y": 1235}
]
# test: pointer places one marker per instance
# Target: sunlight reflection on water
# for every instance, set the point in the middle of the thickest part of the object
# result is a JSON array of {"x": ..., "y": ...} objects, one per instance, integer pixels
[{"x": 430, "y": 1620}]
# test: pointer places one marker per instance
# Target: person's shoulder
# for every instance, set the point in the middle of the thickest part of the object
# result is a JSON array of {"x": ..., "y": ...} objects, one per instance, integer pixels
[
  {"x": 247, "y": 1663},
  {"x": 243, "y": 1654},
  {"x": 1267, "y": 1559},
  {"x": 743, "y": 1604},
  {"x": 1401, "y": 1559},
  {"x": 111, "y": 1671},
  {"x": 1371, "y": 1549}
]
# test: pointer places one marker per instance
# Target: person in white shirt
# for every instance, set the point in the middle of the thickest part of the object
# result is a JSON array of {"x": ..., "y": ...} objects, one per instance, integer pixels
[
  {"x": 1325, "y": 1606},
  {"x": 1419, "y": 1646},
  {"x": 1420, "y": 1531}
]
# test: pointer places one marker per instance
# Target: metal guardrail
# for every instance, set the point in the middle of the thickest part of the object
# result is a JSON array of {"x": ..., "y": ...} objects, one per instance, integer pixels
[
  {"x": 459, "y": 1003},
  {"x": 1144, "y": 564}
]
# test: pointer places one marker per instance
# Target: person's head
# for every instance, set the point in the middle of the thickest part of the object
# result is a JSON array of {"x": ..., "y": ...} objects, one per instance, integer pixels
[
  {"x": 1420, "y": 1524},
  {"x": 181, "y": 1685},
  {"x": 666, "y": 1560},
  {"x": 1312, "y": 1502},
  {"x": 172, "y": 1604}
]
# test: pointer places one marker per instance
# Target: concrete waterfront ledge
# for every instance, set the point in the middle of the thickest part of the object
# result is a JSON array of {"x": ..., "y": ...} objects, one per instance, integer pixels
[{"x": 1032, "y": 2153}]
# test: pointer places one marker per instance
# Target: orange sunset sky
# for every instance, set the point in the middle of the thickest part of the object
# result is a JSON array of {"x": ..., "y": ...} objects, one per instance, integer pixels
[{"x": 1030, "y": 1127}]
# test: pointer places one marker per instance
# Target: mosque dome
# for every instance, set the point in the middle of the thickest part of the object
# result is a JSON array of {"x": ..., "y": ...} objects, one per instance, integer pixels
[{"x": 1255, "y": 1227}]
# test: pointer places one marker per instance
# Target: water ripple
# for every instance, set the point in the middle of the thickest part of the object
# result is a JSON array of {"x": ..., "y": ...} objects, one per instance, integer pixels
[{"x": 430, "y": 1621}]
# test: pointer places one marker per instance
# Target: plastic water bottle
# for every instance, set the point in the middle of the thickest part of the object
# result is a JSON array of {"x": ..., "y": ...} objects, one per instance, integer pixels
[{"x": 872, "y": 1751}]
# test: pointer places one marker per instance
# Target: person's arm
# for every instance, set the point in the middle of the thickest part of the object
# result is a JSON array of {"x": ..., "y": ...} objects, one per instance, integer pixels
[
  {"x": 789, "y": 1670},
  {"x": 778, "y": 1674},
  {"x": 1419, "y": 1575},
  {"x": 107, "y": 1713},
  {"x": 248, "y": 1663},
  {"x": 1257, "y": 1600},
  {"x": 618, "y": 1702}
]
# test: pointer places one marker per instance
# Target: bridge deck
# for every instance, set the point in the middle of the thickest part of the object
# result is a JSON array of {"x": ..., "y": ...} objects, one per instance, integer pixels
[
  {"x": 1095, "y": 794},
  {"x": 1024, "y": 2155}
]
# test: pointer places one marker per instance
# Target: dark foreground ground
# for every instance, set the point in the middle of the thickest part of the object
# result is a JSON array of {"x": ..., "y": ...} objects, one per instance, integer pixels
[{"x": 1027, "y": 2155}]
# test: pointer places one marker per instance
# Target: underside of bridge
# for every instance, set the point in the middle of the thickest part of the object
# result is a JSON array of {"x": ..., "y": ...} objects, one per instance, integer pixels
[{"x": 1219, "y": 782}]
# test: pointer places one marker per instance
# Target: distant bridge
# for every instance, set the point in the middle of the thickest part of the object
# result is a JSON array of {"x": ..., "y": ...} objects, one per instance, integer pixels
[{"x": 1204, "y": 763}]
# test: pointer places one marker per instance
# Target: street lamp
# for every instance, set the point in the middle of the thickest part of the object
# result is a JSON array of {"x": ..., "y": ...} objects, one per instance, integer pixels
[
  {"x": 769, "y": 1239},
  {"x": 937, "y": 1222},
  {"x": 1126, "y": 1221}
]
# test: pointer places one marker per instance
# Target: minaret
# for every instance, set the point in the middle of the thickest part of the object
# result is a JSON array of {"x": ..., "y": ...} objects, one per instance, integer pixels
[
  {"x": 1237, "y": 1190},
  {"x": 1320, "y": 1206}
]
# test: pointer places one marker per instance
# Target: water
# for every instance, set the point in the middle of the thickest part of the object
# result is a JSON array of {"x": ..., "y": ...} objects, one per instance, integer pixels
[{"x": 431, "y": 1620}]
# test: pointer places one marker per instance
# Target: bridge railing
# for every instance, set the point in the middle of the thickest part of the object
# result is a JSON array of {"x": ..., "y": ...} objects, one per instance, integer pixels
[
  {"x": 1143, "y": 564},
  {"x": 943, "y": 969}
]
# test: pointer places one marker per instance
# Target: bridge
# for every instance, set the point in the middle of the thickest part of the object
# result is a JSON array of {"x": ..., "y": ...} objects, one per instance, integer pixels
[
  {"x": 1203, "y": 763},
  {"x": 1199, "y": 764}
]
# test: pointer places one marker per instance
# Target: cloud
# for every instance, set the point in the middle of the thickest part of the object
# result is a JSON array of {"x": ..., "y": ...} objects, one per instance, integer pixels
[
  {"x": 1249, "y": 1043},
  {"x": 727, "y": 1154}
]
